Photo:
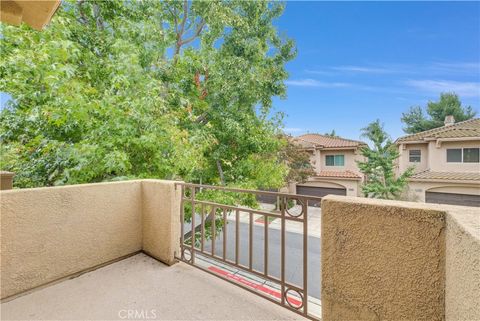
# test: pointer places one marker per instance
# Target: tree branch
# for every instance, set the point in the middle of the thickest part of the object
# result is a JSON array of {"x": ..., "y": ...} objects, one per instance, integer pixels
[
  {"x": 197, "y": 33},
  {"x": 185, "y": 15}
]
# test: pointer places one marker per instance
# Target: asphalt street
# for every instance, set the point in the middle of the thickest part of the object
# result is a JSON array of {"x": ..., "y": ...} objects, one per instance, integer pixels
[{"x": 293, "y": 254}]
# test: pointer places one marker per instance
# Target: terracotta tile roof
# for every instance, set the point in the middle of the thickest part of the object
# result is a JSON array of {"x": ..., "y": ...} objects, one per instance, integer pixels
[
  {"x": 328, "y": 141},
  {"x": 468, "y": 128},
  {"x": 339, "y": 174},
  {"x": 456, "y": 176}
]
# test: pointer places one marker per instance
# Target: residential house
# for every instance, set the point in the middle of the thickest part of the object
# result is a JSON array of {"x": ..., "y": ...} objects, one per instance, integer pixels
[
  {"x": 446, "y": 161},
  {"x": 334, "y": 161}
]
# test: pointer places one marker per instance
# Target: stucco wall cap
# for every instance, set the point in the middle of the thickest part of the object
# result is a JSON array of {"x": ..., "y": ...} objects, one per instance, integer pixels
[{"x": 468, "y": 218}]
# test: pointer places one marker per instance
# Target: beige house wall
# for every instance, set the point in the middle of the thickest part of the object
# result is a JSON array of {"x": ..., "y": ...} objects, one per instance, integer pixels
[
  {"x": 317, "y": 159},
  {"x": 50, "y": 233},
  {"x": 434, "y": 157},
  {"x": 438, "y": 157},
  {"x": 391, "y": 260},
  {"x": 404, "y": 159}
]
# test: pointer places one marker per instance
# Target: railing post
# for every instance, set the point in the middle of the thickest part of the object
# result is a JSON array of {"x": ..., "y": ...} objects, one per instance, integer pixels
[{"x": 6, "y": 180}]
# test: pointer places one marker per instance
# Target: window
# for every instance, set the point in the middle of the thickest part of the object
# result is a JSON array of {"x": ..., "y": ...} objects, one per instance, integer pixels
[
  {"x": 465, "y": 155},
  {"x": 471, "y": 155},
  {"x": 454, "y": 155},
  {"x": 415, "y": 156},
  {"x": 335, "y": 160}
]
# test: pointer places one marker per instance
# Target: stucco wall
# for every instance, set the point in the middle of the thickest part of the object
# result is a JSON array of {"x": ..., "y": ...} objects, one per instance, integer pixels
[
  {"x": 161, "y": 219},
  {"x": 438, "y": 157},
  {"x": 51, "y": 233},
  {"x": 462, "y": 292},
  {"x": 382, "y": 260},
  {"x": 404, "y": 159}
]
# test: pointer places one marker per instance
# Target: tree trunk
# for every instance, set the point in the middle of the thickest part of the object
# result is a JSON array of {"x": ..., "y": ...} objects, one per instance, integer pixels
[{"x": 220, "y": 172}]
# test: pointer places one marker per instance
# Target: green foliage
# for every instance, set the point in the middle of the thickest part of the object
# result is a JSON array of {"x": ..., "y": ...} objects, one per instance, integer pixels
[
  {"x": 332, "y": 134},
  {"x": 176, "y": 90},
  {"x": 379, "y": 167},
  {"x": 299, "y": 166},
  {"x": 449, "y": 104}
]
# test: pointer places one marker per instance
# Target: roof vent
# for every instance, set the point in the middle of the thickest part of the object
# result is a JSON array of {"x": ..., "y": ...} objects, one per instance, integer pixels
[{"x": 449, "y": 120}]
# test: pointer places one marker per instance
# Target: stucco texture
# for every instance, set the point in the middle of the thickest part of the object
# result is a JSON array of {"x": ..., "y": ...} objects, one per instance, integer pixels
[
  {"x": 161, "y": 216},
  {"x": 462, "y": 290},
  {"x": 51, "y": 233},
  {"x": 382, "y": 260}
]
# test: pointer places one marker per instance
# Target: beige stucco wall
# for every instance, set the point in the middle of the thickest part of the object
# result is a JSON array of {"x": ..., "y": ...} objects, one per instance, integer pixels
[
  {"x": 438, "y": 157},
  {"x": 404, "y": 159},
  {"x": 161, "y": 216},
  {"x": 51, "y": 233},
  {"x": 317, "y": 159},
  {"x": 462, "y": 292},
  {"x": 434, "y": 157},
  {"x": 390, "y": 260},
  {"x": 382, "y": 260}
]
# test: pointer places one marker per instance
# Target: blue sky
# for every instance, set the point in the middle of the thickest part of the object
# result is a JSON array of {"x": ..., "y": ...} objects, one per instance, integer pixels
[{"x": 359, "y": 61}]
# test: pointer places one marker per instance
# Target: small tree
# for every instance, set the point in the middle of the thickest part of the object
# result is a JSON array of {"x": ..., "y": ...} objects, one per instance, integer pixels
[
  {"x": 379, "y": 167},
  {"x": 298, "y": 162}
]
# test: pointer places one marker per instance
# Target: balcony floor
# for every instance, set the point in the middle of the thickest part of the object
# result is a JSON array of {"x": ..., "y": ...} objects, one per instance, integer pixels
[{"x": 141, "y": 284}]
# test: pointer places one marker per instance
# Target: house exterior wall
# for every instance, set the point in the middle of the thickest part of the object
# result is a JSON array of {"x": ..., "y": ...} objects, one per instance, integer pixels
[
  {"x": 317, "y": 159},
  {"x": 438, "y": 157},
  {"x": 404, "y": 159},
  {"x": 435, "y": 158}
]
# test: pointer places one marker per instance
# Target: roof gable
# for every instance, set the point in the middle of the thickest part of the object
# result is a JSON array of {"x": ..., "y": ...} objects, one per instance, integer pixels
[
  {"x": 324, "y": 141},
  {"x": 467, "y": 128}
]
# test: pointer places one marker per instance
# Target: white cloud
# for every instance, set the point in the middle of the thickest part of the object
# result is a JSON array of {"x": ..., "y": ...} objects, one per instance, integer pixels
[
  {"x": 456, "y": 67},
  {"x": 466, "y": 89},
  {"x": 435, "y": 67},
  {"x": 315, "y": 83},
  {"x": 364, "y": 69}
]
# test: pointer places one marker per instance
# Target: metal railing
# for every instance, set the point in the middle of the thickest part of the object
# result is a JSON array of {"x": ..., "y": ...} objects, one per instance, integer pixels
[{"x": 207, "y": 241}]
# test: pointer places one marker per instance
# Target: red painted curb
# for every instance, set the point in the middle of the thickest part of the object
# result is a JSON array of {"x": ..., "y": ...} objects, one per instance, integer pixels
[{"x": 258, "y": 287}]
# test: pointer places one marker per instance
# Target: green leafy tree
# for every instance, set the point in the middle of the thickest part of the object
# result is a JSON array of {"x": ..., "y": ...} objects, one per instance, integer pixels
[
  {"x": 379, "y": 165},
  {"x": 416, "y": 121},
  {"x": 172, "y": 89},
  {"x": 147, "y": 89},
  {"x": 299, "y": 166}
]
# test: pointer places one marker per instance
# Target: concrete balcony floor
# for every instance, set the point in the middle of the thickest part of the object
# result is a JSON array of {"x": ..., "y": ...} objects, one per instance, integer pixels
[{"x": 142, "y": 285}]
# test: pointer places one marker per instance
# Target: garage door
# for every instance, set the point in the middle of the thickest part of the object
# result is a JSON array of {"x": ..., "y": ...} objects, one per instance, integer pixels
[
  {"x": 319, "y": 191},
  {"x": 454, "y": 199},
  {"x": 269, "y": 199}
]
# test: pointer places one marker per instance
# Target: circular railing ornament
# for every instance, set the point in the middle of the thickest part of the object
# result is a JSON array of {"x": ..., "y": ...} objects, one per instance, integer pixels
[
  {"x": 293, "y": 306},
  {"x": 299, "y": 203},
  {"x": 187, "y": 255}
]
